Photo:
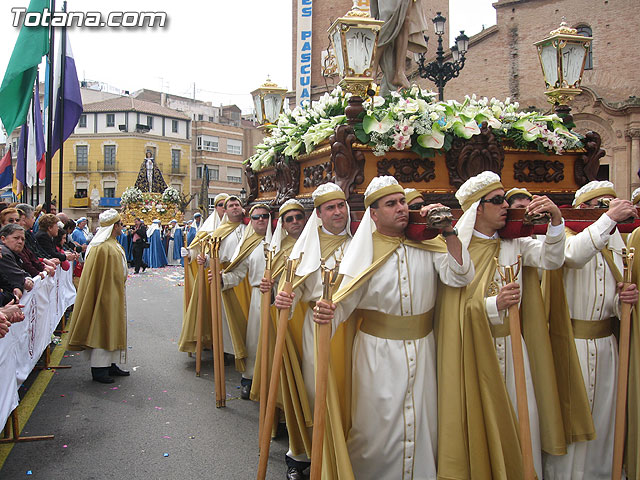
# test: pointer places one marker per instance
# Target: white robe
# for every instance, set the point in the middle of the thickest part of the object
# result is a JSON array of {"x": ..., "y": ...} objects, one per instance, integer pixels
[
  {"x": 547, "y": 254},
  {"x": 591, "y": 295},
  {"x": 394, "y": 392},
  {"x": 253, "y": 265},
  {"x": 170, "y": 259}
]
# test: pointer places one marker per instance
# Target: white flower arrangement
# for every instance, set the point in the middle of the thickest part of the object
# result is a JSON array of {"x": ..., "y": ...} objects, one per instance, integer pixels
[
  {"x": 131, "y": 195},
  {"x": 413, "y": 119},
  {"x": 170, "y": 195}
]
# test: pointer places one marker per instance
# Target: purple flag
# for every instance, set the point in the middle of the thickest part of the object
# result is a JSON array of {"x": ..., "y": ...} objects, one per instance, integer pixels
[{"x": 71, "y": 98}]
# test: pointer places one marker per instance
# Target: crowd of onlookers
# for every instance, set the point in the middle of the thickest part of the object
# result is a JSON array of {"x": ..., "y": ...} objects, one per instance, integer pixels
[{"x": 33, "y": 243}]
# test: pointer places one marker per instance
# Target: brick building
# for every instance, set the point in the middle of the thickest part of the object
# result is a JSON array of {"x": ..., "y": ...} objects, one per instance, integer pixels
[{"x": 502, "y": 62}]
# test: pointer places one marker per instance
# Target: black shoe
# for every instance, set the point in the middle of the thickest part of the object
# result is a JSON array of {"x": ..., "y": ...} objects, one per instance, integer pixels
[
  {"x": 116, "y": 371},
  {"x": 294, "y": 473},
  {"x": 101, "y": 374},
  {"x": 144, "y": 267},
  {"x": 245, "y": 390}
]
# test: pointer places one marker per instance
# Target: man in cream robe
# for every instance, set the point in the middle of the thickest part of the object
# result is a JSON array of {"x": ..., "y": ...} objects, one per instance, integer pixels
[
  {"x": 490, "y": 414},
  {"x": 231, "y": 234},
  {"x": 392, "y": 282},
  {"x": 249, "y": 261},
  {"x": 593, "y": 296},
  {"x": 325, "y": 235},
  {"x": 99, "y": 320}
]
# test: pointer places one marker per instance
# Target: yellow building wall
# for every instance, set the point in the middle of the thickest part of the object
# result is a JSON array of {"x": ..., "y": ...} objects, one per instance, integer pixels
[{"x": 130, "y": 153}]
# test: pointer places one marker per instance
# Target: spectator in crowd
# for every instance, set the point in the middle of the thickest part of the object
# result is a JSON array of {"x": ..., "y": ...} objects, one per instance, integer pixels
[
  {"x": 9, "y": 215},
  {"x": 13, "y": 277},
  {"x": 27, "y": 220},
  {"x": 46, "y": 233},
  {"x": 9, "y": 314}
]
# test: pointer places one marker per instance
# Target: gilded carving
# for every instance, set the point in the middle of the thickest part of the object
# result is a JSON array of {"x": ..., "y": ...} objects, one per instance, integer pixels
[
  {"x": 408, "y": 169},
  {"x": 538, "y": 171},
  {"x": 316, "y": 175},
  {"x": 467, "y": 158}
]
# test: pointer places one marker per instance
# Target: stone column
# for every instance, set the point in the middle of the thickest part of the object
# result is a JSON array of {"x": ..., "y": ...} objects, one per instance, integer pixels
[{"x": 634, "y": 157}]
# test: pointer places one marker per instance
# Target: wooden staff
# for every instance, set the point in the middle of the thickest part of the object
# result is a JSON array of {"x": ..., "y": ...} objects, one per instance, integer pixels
[
  {"x": 509, "y": 274},
  {"x": 323, "y": 340},
  {"x": 283, "y": 319},
  {"x": 265, "y": 318},
  {"x": 216, "y": 325},
  {"x": 199, "y": 315},
  {"x": 623, "y": 371}
]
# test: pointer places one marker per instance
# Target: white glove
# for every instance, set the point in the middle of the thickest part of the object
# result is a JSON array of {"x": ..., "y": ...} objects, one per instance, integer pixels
[{"x": 184, "y": 252}]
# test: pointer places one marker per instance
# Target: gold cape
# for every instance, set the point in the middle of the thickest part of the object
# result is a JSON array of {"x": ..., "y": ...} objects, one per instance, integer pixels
[
  {"x": 336, "y": 464},
  {"x": 632, "y": 451},
  {"x": 478, "y": 433},
  {"x": 236, "y": 302},
  {"x": 99, "y": 317}
]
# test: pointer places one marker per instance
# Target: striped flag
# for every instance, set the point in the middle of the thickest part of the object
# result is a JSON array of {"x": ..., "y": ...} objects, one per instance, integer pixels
[{"x": 6, "y": 169}]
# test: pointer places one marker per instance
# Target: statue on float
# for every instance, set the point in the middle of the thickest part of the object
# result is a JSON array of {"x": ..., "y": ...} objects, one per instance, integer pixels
[{"x": 150, "y": 177}]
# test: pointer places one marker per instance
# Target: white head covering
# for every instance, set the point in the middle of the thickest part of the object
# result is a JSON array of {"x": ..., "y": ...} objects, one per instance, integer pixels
[
  {"x": 107, "y": 220},
  {"x": 411, "y": 194},
  {"x": 515, "y": 191},
  {"x": 309, "y": 241},
  {"x": 635, "y": 196},
  {"x": 359, "y": 253},
  {"x": 280, "y": 233},
  {"x": 592, "y": 190},
  {"x": 469, "y": 195},
  {"x": 155, "y": 226},
  {"x": 81, "y": 219}
]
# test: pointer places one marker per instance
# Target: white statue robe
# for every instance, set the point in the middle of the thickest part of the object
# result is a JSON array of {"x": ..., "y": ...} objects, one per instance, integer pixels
[
  {"x": 253, "y": 266},
  {"x": 591, "y": 295},
  {"x": 547, "y": 254},
  {"x": 394, "y": 392}
]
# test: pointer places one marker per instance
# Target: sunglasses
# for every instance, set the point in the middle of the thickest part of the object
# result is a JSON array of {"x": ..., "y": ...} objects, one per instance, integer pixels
[
  {"x": 416, "y": 206},
  {"x": 221, "y": 204},
  {"x": 263, "y": 216},
  {"x": 291, "y": 218},
  {"x": 497, "y": 200}
]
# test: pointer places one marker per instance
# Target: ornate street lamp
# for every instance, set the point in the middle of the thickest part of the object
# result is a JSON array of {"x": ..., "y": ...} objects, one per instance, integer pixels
[
  {"x": 243, "y": 195},
  {"x": 439, "y": 71},
  {"x": 562, "y": 57},
  {"x": 354, "y": 38},
  {"x": 268, "y": 100}
]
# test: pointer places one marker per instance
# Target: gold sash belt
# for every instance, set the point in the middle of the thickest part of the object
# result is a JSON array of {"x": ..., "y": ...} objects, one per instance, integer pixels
[
  {"x": 501, "y": 329},
  {"x": 396, "y": 327},
  {"x": 591, "y": 329}
]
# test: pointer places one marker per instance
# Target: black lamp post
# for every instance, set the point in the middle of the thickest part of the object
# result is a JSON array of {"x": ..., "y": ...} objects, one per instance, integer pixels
[
  {"x": 243, "y": 195},
  {"x": 439, "y": 71}
]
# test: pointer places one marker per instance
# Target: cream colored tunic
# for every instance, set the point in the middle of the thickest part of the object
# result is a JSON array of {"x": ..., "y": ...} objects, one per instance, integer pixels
[
  {"x": 394, "y": 391},
  {"x": 547, "y": 254},
  {"x": 253, "y": 265},
  {"x": 591, "y": 295}
]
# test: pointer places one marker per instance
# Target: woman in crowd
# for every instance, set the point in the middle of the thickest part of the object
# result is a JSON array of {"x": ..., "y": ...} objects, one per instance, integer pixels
[
  {"x": 47, "y": 231},
  {"x": 13, "y": 278},
  {"x": 9, "y": 215}
]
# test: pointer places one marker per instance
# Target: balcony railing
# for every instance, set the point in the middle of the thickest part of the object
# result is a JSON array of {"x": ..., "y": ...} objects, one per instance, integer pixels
[
  {"x": 109, "y": 201},
  {"x": 178, "y": 169},
  {"x": 79, "y": 166},
  {"x": 107, "y": 166},
  {"x": 79, "y": 202}
]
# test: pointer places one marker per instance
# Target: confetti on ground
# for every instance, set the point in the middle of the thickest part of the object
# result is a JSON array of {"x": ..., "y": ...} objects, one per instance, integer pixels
[
  {"x": 29, "y": 472},
  {"x": 114, "y": 388},
  {"x": 64, "y": 446},
  {"x": 166, "y": 436},
  {"x": 165, "y": 454},
  {"x": 192, "y": 437},
  {"x": 158, "y": 408}
]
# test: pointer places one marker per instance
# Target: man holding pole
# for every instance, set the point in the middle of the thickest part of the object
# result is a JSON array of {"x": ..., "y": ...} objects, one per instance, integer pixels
[
  {"x": 592, "y": 282},
  {"x": 488, "y": 394},
  {"x": 249, "y": 261},
  {"x": 325, "y": 236},
  {"x": 392, "y": 281}
]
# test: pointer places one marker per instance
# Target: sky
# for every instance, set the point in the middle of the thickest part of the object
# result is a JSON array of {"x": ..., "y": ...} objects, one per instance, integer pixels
[{"x": 225, "y": 48}]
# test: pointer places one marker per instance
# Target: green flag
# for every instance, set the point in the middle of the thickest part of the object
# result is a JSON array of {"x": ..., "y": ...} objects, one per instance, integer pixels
[{"x": 17, "y": 86}]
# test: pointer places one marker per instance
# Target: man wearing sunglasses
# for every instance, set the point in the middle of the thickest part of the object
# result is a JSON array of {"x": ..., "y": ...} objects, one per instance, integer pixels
[
  {"x": 480, "y": 314},
  {"x": 325, "y": 236},
  {"x": 219, "y": 210},
  {"x": 248, "y": 261}
]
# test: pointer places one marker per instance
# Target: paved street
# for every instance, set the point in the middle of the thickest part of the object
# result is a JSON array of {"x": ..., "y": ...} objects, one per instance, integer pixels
[{"x": 159, "y": 423}]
